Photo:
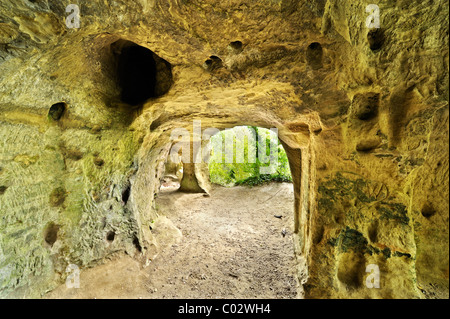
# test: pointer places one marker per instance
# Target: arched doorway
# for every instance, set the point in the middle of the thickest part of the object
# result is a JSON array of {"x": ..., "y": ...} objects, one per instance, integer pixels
[{"x": 237, "y": 237}]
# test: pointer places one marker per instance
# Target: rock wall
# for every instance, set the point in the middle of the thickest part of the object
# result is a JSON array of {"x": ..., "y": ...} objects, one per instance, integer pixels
[{"x": 362, "y": 113}]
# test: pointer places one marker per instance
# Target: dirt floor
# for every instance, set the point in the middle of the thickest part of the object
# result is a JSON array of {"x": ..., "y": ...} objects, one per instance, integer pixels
[{"x": 227, "y": 245}]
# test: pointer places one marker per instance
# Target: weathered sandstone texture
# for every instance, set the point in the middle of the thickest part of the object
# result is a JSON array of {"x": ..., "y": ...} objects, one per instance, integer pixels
[{"x": 363, "y": 116}]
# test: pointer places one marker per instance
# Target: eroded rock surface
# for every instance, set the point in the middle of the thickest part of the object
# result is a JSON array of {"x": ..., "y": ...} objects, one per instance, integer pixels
[{"x": 362, "y": 113}]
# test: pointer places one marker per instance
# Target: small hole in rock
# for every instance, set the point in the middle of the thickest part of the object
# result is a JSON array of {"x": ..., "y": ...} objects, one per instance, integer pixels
[
  {"x": 156, "y": 123},
  {"x": 137, "y": 244},
  {"x": 339, "y": 219},
  {"x": 315, "y": 46},
  {"x": 235, "y": 47},
  {"x": 70, "y": 153},
  {"x": 57, "y": 110},
  {"x": 51, "y": 234},
  {"x": 126, "y": 195},
  {"x": 351, "y": 270},
  {"x": 314, "y": 54},
  {"x": 110, "y": 236},
  {"x": 318, "y": 236},
  {"x": 428, "y": 210},
  {"x": 375, "y": 37},
  {"x": 75, "y": 155},
  {"x": 99, "y": 162},
  {"x": 373, "y": 233},
  {"x": 214, "y": 62},
  {"x": 365, "y": 106},
  {"x": 3, "y": 189}
]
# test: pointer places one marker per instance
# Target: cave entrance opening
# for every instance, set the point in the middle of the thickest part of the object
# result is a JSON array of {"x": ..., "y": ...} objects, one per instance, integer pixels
[
  {"x": 140, "y": 74},
  {"x": 238, "y": 229}
]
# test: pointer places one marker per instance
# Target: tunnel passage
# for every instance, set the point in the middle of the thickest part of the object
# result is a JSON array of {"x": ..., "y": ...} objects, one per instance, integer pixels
[
  {"x": 173, "y": 173},
  {"x": 238, "y": 239},
  {"x": 141, "y": 74},
  {"x": 238, "y": 156}
]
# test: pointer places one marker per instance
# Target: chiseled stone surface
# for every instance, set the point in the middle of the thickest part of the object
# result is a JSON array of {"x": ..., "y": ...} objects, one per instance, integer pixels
[{"x": 364, "y": 120}]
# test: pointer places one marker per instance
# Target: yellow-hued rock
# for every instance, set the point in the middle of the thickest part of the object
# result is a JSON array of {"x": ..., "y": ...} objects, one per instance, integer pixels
[{"x": 363, "y": 117}]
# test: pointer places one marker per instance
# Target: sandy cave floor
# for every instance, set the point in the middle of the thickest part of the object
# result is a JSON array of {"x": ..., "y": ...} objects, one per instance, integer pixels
[{"x": 231, "y": 246}]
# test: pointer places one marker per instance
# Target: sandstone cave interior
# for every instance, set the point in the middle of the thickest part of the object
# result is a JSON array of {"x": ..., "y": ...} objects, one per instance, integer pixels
[{"x": 351, "y": 96}]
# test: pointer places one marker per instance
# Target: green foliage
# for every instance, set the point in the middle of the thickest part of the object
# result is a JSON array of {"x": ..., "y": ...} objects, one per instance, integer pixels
[{"x": 248, "y": 170}]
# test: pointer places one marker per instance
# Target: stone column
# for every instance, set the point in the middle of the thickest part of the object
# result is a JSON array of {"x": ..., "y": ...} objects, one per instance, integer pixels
[{"x": 190, "y": 182}]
